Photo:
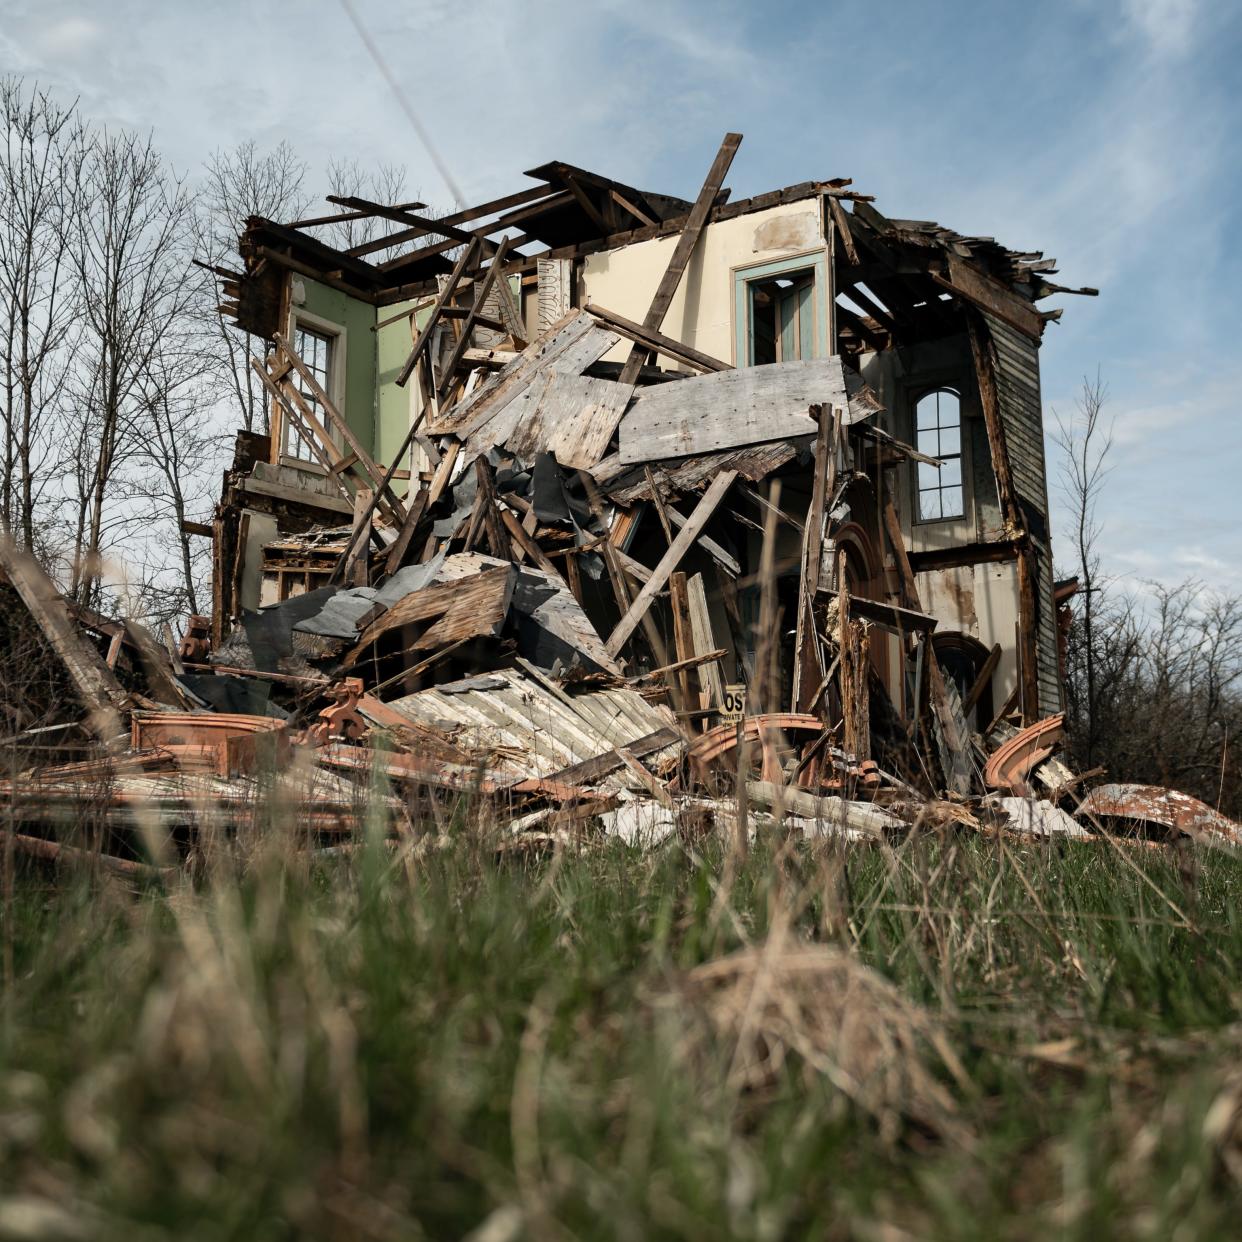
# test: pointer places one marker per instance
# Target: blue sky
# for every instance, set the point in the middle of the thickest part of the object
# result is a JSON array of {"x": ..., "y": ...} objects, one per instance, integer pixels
[{"x": 1104, "y": 132}]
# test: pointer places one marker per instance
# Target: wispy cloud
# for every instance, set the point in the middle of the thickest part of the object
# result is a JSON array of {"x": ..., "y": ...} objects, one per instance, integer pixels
[{"x": 1166, "y": 26}]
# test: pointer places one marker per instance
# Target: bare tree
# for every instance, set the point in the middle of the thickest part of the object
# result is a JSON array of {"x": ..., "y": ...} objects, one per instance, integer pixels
[
  {"x": 1085, "y": 442},
  {"x": 382, "y": 184},
  {"x": 131, "y": 251},
  {"x": 240, "y": 183},
  {"x": 39, "y": 199}
]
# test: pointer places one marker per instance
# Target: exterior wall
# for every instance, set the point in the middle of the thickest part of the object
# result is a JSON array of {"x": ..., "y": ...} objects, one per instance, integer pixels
[
  {"x": 1017, "y": 384},
  {"x": 702, "y": 312},
  {"x": 979, "y": 600},
  {"x": 358, "y": 320},
  {"x": 395, "y": 406}
]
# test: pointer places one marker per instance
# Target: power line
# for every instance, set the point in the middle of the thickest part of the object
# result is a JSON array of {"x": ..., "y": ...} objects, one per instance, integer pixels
[{"x": 420, "y": 129}]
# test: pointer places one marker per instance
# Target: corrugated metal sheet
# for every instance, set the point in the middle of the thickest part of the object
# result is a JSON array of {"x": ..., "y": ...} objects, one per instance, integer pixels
[{"x": 528, "y": 728}]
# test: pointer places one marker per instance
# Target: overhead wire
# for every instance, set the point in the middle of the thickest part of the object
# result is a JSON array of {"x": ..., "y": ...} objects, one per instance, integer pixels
[{"x": 424, "y": 135}]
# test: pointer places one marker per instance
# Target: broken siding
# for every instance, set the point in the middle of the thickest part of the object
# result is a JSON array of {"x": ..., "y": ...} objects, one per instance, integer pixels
[{"x": 1017, "y": 386}]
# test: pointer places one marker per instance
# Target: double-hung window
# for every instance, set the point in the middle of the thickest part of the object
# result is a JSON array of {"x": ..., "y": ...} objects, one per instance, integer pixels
[
  {"x": 317, "y": 351},
  {"x": 938, "y": 423}
]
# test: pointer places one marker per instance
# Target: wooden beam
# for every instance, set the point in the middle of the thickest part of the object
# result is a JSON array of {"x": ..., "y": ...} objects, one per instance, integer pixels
[
  {"x": 457, "y": 217},
  {"x": 686, "y": 242},
  {"x": 424, "y": 336},
  {"x": 96, "y": 685},
  {"x": 968, "y": 282},
  {"x": 480, "y": 297},
  {"x": 338, "y": 421},
  {"x": 981, "y": 682},
  {"x": 983, "y": 351},
  {"x": 670, "y": 560},
  {"x": 656, "y": 341}
]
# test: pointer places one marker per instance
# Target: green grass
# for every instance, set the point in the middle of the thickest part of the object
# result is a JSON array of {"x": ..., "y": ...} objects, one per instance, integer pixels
[{"x": 416, "y": 1047}]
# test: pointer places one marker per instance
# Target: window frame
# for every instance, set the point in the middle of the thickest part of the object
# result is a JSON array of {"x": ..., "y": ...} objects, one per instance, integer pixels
[
  {"x": 815, "y": 263},
  {"x": 914, "y": 397},
  {"x": 300, "y": 318}
]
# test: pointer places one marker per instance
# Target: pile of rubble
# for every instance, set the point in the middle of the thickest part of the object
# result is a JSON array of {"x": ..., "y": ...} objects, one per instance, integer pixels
[{"x": 619, "y": 601}]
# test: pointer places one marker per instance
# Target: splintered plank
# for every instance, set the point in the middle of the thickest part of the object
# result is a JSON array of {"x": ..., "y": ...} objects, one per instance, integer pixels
[
  {"x": 466, "y": 608},
  {"x": 730, "y": 409},
  {"x": 514, "y": 377},
  {"x": 445, "y": 296},
  {"x": 96, "y": 685},
  {"x": 670, "y": 560}
]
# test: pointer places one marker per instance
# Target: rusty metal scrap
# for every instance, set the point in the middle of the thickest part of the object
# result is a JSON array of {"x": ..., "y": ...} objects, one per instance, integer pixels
[{"x": 1153, "y": 804}]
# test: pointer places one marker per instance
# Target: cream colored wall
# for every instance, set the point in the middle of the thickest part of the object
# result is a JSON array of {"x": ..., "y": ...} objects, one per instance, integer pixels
[
  {"x": 701, "y": 314},
  {"x": 982, "y": 601}
]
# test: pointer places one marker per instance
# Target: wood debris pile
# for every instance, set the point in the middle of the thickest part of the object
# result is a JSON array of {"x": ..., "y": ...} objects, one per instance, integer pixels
[{"x": 623, "y": 599}]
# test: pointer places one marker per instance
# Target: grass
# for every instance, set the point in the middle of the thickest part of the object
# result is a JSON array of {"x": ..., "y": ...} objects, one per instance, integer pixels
[{"x": 953, "y": 1038}]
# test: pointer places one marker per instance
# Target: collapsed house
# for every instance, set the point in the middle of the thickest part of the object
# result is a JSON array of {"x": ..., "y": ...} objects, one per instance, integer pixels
[{"x": 592, "y": 496}]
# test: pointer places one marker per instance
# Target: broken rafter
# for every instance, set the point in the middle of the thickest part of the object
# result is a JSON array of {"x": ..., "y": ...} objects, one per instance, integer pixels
[
  {"x": 446, "y": 294},
  {"x": 686, "y": 242},
  {"x": 657, "y": 342}
]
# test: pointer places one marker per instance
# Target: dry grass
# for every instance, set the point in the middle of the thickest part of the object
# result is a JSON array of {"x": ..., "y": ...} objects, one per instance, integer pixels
[{"x": 949, "y": 1037}]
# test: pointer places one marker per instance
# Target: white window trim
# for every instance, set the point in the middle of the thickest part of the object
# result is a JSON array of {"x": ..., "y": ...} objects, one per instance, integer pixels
[{"x": 299, "y": 317}]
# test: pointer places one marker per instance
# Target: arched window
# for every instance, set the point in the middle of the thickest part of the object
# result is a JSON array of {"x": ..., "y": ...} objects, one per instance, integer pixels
[{"x": 938, "y": 422}]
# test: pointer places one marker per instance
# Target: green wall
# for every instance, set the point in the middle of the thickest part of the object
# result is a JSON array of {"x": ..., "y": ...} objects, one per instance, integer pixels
[
  {"x": 358, "y": 320},
  {"x": 394, "y": 403}
]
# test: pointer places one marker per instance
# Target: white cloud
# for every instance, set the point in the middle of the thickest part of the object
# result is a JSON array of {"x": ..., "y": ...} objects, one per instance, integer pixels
[
  {"x": 1167, "y": 27},
  {"x": 70, "y": 36}
]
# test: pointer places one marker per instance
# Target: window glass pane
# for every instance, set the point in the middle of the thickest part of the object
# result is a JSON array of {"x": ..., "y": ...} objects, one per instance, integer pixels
[
  {"x": 315, "y": 350},
  {"x": 938, "y": 432},
  {"x": 947, "y": 408}
]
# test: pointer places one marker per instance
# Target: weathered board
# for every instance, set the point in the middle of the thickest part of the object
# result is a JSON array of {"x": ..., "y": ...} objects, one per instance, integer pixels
[{"x": 730, "y": 408}]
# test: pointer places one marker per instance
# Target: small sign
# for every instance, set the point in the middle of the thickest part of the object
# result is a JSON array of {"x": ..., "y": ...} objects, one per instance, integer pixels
[{"x": 734, "y": 706}]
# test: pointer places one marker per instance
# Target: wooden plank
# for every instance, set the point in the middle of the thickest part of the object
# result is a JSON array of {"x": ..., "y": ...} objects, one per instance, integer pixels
[
  {"x": 354, "y": 564},
  {"x": 457, "y": 217},
  {"x": 842, "y": 223},
  {"x": 96, "y": 685},
  {"x": 437, "y": 309},
  {"x": 711, "y": 677},
  {"x": 402, "y": 216},
  {"x": 982, "y": 681},
  {"x": 686, "y": 242},
  {"x": 983, "y": 352},
  {"x": 671, "y": 559},
  {"x": 657, "y": 341},
  {"x": 808, "y": 660},
  {"x": 579, "y": 437},
  {"x": 511, "y": 380},
  {"x": 480, "y": 296},
  {"x": 734, "y": 408},
  {"x": 683, "y": 638},
  {"x": 968, "y": 282},
  {"x": 590, "y": 771},
  {"x": 338, "y": 421}
]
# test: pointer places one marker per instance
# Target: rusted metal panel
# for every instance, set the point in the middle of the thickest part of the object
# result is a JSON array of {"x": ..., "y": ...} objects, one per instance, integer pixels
[
  {"x": 1169, "y": 808},
  {"x": 1009, "y": 766}
]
